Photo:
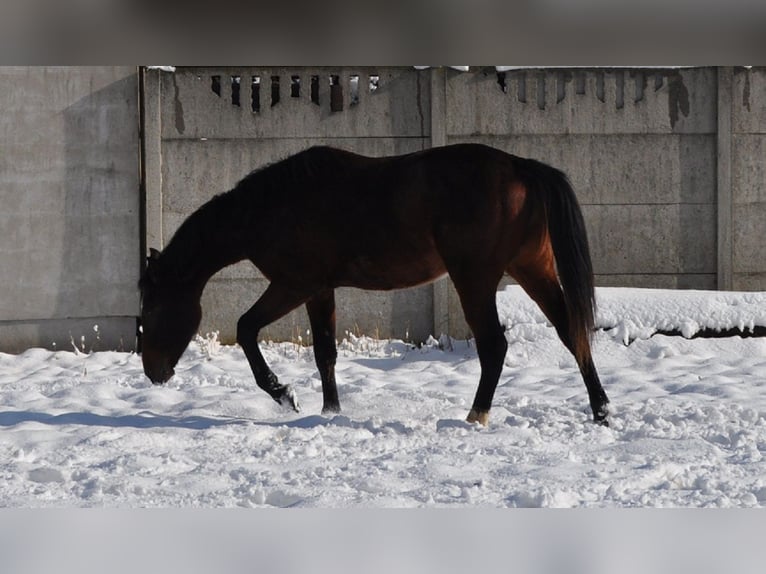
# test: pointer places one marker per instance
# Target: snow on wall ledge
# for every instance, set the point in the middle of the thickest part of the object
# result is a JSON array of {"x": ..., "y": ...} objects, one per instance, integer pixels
[{"x": 631, "y": 314}]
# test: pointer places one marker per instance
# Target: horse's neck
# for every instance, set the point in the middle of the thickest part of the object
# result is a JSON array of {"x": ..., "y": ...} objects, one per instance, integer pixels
[
  {"x": 206, "y": 243},
  {"x": 209, "y": 263}
]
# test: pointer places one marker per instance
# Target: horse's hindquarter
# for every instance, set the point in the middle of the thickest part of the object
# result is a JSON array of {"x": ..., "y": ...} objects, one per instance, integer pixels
[
  {"x": 420, "y": 215},
  {"x": 482, "y": 218}
]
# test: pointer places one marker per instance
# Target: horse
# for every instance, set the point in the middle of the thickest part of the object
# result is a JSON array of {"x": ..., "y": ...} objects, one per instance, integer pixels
[{"x": 325, "y": 218}]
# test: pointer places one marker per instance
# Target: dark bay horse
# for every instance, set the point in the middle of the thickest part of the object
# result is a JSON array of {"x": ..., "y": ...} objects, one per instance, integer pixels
[{"x": 326, "y": 218}]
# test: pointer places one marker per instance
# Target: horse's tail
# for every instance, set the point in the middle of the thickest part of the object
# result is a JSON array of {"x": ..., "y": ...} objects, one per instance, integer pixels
[{"x": 569, "y": 239}]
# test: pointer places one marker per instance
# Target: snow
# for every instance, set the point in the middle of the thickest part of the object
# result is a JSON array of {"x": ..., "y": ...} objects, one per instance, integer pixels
[{"x": 688, "y": 424}]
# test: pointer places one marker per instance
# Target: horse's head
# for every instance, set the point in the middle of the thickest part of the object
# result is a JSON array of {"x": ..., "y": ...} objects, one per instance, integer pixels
[{"x": 170, "y": 316}]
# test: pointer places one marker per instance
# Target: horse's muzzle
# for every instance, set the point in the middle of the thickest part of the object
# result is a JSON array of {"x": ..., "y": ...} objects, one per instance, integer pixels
[{"x": 159, "y": 374}]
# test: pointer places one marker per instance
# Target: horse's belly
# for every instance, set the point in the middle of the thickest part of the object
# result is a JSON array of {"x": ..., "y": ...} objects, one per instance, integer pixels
[{"x": 387, "y": 273}]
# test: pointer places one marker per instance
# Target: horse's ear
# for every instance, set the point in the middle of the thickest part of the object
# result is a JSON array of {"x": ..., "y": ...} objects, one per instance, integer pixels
[{"x": 153, "y": 266}]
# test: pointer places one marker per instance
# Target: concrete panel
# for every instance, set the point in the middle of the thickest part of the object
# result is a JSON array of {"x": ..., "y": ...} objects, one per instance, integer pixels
[
  {"x": 69, "y": 190},
  {"x": 86, "y": 334},
  {"x": 623, "y": 169},
  {"x": 404, "y": 314},
  {"x": 748, "y": 111},
  {"x": 749, "y": 255},
  {"x": 60, "y": 267},
  {"x": 659, "y": 281},
  {"x": 749, "y": 169},
  {"x": 652, "y": 239},
  {"x": 582, "y": 102},
  {"x": 398, "y": 107},
  {"x": 749, "y": 282},
  {"x": 748, "y": 181}
]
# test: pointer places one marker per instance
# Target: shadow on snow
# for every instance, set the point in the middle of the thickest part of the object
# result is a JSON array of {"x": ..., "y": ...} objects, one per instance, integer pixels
[{"x": 144, "y": 420}]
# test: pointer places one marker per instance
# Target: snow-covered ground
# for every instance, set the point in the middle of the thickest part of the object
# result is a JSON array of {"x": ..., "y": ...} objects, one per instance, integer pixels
[{"x": 688, "y": 425}]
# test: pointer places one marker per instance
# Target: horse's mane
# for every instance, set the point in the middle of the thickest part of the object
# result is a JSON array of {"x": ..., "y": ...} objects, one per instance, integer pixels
[{"x": 182, "y": 256}]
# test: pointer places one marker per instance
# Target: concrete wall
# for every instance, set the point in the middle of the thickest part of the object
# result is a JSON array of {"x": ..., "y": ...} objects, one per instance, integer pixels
[
  {"x": 667, "y": 164},
  {"x": 69, "y": 207},
  {"x": 747, "y": 172}
]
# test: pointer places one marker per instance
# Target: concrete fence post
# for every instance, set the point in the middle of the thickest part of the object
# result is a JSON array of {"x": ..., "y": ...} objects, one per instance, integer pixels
[
  {"x": 151, "y": 160},
  {"x": 439, "y": 138},
  {"x": 724, "y": 191}
]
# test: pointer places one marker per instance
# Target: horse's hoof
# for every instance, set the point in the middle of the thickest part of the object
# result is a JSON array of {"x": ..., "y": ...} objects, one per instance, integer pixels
[
  {"x": 289, "y": 399},
  {"x": 478, "y": 417},
  {"x": 601, "y": 416},
  {"x": 331, "y": 410}
]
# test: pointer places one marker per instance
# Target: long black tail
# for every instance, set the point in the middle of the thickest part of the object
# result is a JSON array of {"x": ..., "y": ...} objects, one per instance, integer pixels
[{"x": 569, "y": 238}]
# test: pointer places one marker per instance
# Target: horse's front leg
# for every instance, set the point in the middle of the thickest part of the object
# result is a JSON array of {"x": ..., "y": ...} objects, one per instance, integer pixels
[
  {"x": 321, "y": 310},
  {"x": 273, "y": 304}
]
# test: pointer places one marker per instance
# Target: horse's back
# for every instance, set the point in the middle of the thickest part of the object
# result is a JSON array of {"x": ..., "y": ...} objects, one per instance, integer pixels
[
  {"x": 384, "y": 222},
  {"x": 469, "y": 158}
]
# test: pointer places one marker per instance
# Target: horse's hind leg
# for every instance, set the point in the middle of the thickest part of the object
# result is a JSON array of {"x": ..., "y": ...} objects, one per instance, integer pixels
[
  {"x": 321, "y": 310},
  {"x": 480, "y": 309},
  {"x": 543, "y": 287},
  {"x": 273, "y": 304}
]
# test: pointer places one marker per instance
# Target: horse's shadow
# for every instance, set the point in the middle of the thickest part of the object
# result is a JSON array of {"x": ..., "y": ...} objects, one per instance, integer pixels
[
  {"x": 149, "y": 420},
  {"x": 143, "y": 420}
]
